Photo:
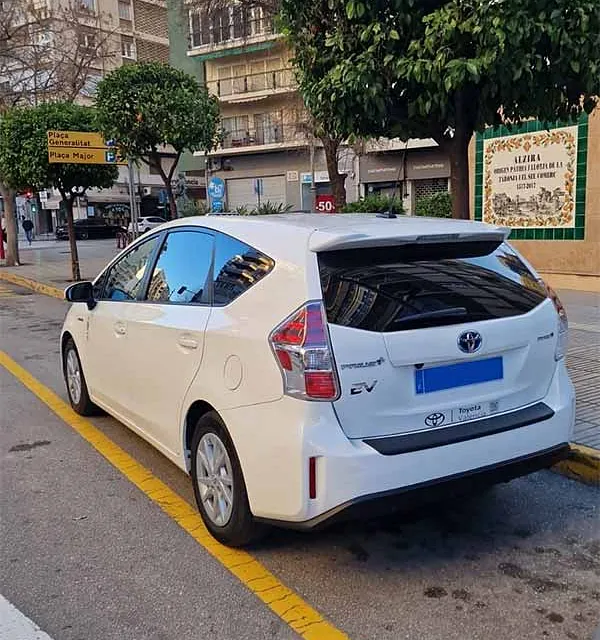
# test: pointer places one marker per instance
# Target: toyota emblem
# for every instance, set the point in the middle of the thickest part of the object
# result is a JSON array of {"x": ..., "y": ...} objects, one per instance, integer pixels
[
  {"x": 470, "y": 341},
  {"x": 435, "y": 420}
]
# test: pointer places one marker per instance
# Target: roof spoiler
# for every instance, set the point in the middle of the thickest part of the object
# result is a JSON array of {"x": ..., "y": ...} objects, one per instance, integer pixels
[{"x": 324, "y": 241}]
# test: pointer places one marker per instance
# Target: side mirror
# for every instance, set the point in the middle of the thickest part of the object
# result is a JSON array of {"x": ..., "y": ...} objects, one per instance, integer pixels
[{"x": 81, "y": 292}]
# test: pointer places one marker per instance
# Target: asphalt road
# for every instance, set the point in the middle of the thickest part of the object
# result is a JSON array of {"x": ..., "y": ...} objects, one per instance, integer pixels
[{"x": 88, "y": 556}]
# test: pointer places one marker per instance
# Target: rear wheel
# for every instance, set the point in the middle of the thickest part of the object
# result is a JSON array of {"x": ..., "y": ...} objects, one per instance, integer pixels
[
  {"x": 219, "y": 485},
  {"x": 75, "y": 381},
  {"x": 84, "y": 235}
]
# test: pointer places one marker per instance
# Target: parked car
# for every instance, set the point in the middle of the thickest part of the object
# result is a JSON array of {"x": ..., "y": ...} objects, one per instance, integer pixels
[
  {"x": 304, "y": 368},
  {"x": 147, "y": 223},
  {"x": 89, "y": 228}
]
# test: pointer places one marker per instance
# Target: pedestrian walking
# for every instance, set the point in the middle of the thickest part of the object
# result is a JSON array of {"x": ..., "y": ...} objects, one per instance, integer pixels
[{"x": 28, "y": 228}]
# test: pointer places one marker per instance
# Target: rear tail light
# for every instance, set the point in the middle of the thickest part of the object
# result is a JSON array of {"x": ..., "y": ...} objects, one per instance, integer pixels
[
  {"x": 303, "y": 350},
  {"x": 563, "y": 322}
]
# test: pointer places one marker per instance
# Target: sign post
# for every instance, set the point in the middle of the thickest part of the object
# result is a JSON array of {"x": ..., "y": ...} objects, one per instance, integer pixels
[
  {"x": 259, "y": 189},
  {"x": 132, "y": 202},
  {"x": 216, "y": 193},
  {"x": 325, "y": 204},
  {"x": 81, "y": 147}
]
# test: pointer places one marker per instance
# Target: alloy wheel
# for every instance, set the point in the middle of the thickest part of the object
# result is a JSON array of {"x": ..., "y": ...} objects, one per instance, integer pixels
[
  {"x": 215, "y": 479},
  {"x": 73, "y": 371}
]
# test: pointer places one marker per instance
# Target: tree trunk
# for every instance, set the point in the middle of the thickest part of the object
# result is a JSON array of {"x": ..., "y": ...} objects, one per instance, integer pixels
[
  {"x": 75, "y": 271},
  {"x": 12, "y": 227},
  {"x": 337, "y": 180},
  {"x": 172, "y": 203},
  {"x": 458, "y": 148}
]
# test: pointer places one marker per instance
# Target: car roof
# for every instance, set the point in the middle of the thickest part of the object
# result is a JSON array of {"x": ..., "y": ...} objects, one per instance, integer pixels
[{"x": 290, "y": 235}]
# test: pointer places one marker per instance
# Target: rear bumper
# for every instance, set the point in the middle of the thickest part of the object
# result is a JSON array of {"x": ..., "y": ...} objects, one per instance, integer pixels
[
  {"x": 353, "y": 478},
  {"x": 388, "y": 502}
]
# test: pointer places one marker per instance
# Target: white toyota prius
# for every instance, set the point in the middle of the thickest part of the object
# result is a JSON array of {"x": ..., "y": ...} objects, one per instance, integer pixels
[{"x": 304, "y": 368}]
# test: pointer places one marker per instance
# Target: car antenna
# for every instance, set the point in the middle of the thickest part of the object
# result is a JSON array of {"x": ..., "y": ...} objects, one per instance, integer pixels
[{"x": 389, "y": 214}]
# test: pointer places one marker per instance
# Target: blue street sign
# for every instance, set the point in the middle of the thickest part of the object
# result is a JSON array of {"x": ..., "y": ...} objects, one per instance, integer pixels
[
  {"x": 217, "y": 206},
  {"x": 216, "y": 188},
  {"x": 258, "y": 187}
]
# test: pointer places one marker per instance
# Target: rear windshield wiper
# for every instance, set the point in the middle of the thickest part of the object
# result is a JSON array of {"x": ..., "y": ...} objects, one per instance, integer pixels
[{"x": 453, "y": 312}]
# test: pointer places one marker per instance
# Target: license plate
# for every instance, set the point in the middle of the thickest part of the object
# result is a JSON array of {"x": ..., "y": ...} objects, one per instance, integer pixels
[{"x": 461, "y": 374}]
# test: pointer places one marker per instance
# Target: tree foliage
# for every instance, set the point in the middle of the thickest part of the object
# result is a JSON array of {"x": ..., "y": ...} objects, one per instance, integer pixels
[
  {"x": 24, "y": 156},
  {"x": 445, "y": 68},
  {"x": 24, "y": 149},
  {"x": 149, "y": 106}
]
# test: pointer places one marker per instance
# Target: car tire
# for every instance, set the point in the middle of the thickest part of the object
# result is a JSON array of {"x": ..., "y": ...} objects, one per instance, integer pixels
[
  {"x": 84, "y": 235},
  {"x": 233, "y": 524},
  {"x": 75, "y": 381}
]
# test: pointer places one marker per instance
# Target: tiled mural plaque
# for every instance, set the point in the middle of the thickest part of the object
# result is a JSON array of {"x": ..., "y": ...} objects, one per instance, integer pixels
[{"x": 532, "y": 179}]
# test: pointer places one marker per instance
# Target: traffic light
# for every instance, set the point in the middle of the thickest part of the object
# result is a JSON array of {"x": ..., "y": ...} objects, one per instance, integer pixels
[{"x": 33, "y": 206}]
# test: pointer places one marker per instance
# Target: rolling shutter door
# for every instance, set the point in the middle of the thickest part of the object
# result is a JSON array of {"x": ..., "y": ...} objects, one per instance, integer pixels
[
  {"x": 274, "y": 190},
  {"x": 240, "y": 192}
]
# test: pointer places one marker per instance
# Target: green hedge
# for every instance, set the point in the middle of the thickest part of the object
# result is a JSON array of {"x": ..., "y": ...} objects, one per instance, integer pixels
[
  {"x": 437, "y": 206},
  {"x": 375, "y": 203}
]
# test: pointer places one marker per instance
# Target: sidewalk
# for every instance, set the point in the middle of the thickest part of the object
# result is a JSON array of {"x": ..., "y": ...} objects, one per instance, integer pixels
[{"x": 48, "y": 263}]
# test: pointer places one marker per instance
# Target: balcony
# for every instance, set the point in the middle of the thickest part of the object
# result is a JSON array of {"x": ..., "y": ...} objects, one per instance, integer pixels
[
  {"x": 253, "y": 85},
  {"x": 229, "y": 31},
  {"x": 271, "y": 136}
]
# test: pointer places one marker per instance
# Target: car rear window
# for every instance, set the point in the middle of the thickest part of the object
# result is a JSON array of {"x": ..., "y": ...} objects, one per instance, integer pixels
[{"x": 387, "y": 289}]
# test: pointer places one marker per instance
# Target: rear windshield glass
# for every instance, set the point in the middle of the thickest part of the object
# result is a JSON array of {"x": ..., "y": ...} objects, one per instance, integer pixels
[{"x": 388, "y": 289}]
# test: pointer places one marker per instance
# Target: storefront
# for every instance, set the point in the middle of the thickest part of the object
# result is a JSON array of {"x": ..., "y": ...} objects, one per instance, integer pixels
[
  {"x": 544, "y": 183},
  {"x": 411, "y": 175}
]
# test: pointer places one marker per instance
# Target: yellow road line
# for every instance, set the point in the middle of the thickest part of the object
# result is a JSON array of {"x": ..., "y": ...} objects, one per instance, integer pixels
[
  {"x": 284, "y": 602},
  {"x": 28, "y": 283}
]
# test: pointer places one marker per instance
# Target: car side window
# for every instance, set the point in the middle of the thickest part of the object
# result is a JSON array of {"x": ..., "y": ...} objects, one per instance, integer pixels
[
  {"x": 125, "y": 278},
  {"x": 238, "y": 267},
  {"x": 182, "y": 269}
]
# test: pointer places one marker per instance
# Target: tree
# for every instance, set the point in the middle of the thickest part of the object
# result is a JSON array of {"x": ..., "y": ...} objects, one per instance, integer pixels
[
  {"x": 148, "y": 106},
  {"x": 24, "y": 157},
  {"x": 445, "y": 68},
  {"x": 46, "y": 53}
]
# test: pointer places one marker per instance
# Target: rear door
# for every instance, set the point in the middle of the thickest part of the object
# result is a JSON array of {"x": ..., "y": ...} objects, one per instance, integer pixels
[
  {"x": 430, "y": 335},
  {"x": 166, "y": 333}
]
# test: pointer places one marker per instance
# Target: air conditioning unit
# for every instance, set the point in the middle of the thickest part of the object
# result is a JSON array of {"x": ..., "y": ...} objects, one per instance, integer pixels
[{"x": 147, "y": 191}]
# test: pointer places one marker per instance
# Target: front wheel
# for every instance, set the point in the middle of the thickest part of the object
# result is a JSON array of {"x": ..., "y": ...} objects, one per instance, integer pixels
[
  {"x": 219, "y": 485},
  {"x": 75, "y": 381}
]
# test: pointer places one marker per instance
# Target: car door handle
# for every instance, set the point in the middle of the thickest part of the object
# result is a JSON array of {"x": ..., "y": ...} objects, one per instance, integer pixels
[
  {"x": 120, "y": 328},
  {"x": 188, "y": 343}
]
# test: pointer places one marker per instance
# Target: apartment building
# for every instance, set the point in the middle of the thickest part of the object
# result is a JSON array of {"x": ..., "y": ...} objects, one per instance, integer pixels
[
  {"x": 64, "y": 39},
  {"x": 265, "y": 153}
]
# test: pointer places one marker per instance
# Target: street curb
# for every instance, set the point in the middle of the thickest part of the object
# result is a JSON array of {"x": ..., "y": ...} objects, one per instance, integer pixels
[
  {"x": 39, "y": 287},
  {"x": 583, "y": 464}
]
